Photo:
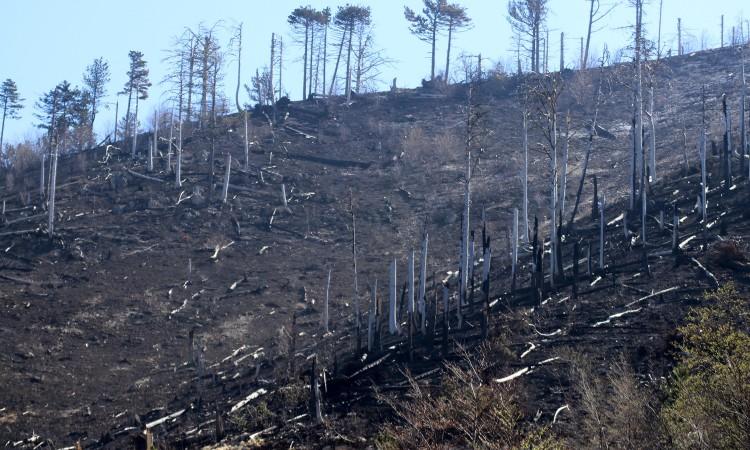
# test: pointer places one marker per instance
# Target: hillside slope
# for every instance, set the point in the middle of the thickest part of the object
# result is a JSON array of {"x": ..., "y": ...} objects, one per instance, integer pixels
[{"x": 131, "y": 314}]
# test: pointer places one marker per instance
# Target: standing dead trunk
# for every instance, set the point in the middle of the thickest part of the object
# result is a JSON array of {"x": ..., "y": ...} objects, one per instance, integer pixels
[
  {"x": 410, "y": 287},
  {"x": 602, "y": 227},
  {"x": 356, "y": 281},
  {"x": 178, "y": 163},
  {"x": 464, "y": 269},
  {"x": 727, "y": 161},
  {"x": 247, "y": 146},
  {"x": 43, "y": 179},
  {"x": 315, "y": 409},
  {"x": 638, "y": 104},
  {"x": 644, "y": 212},
  {"x": 338, "y": 60},
  {"x": 652, "y": 123},
  {"x": 52, "y": 188},
  {"x": 392, "y": 309},
  {"x": 227, "y": 173},
  {"x": 514, "y": 256},
  {"x": 135, "y": 129},
  {"x": 423, "y": 282},
  {"x": 372, "y": 318},
  {"x": 211, "y": 168},
  {"x": 743, "y": 131},
  {"x": 525, "y": 178},
  {"x": 564, "y": 170},
  {"x": 325, "y": 305}
]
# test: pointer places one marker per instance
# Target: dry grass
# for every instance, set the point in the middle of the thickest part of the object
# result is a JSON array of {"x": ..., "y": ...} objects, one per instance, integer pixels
[{"x": 468, "y": 410}]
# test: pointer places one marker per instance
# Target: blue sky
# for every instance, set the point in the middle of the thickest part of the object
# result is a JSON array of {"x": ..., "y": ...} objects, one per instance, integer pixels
[{"x": 47, "y": 41}]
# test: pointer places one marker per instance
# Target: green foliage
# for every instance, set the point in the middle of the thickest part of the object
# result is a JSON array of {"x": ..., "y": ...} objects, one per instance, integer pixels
[{"x": 710, "y": 396}]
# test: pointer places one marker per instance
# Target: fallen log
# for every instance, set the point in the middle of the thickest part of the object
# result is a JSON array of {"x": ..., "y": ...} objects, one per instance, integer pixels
[{"x": 145, "y": 177}]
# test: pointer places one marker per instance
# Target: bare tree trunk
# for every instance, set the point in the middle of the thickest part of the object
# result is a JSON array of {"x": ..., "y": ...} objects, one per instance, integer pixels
[
  {"x": 585, "y": 58},
  {"x": 652, "y": 122},
  {"x": 658, "y": 38},
  {"x": 52, "y": 188},
  {"x": 743, "y": 129},
  {"x": 392, "y": 309},
  {"x": 325, "y": 305},
  {"x": 638, "y": 131},
  {"x": 354, "y": 267},
  {"x": 602, "y": 226},
  {"x": 247, "y": 146},
  {"x": 304, "y": 65},
  {"x": 514, "y": 256},
  {"x": 349, "y": 66},
  {"x": 727, "y": 163},
  {"x": 410, "y": 286},
  {"x": 525, "y": 176},
  {"x": 564, "y": 171},
  {"x": 448, "y": 53},
  {"x": 239, "y": 69},
  {"x": 135, "y": 128},
  {"x": 338, "y": 59},
  {"x": 464, "y": 270},
  {"x": 562, "y": 51},
  {"x": 371, "y": 318},
  {"x": 117, "y": 112},
  {"x": 42, "y": 187},
  {"x": 178, "y": 162},
  {"x": 227, "y": 174},
  {"x": 423, "y": 282}
]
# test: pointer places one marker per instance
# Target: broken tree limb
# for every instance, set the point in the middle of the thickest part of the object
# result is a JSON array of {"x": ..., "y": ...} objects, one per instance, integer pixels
[
  {"x": 663, "y": 291},
  {"x": 706, "y": 272},
  {"x": 145, "y": 177}
]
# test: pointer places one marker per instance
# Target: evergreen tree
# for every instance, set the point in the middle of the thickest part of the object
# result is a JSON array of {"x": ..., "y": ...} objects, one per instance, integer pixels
[
  {"x": 11, "y": 104},
  {"x": 137, "y": 84},
  {"x": 95, "y": 79},
  {"x": 427, "y": 25}
]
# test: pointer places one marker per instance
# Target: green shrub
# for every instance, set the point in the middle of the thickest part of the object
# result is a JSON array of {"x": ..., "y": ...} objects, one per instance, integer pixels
[{"x": 709, "y": 405}]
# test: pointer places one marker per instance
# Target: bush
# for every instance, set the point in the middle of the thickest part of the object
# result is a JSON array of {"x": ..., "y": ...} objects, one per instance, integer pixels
[
  {"x": 710, "y": 396},
  {"x": 469, "y": 411},
  {"x": 617, "y": 412}
]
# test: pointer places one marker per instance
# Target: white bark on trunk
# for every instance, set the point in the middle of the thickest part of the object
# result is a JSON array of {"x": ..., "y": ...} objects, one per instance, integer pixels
[
  {"x": 52, "y": 188},
  {"x": 227, "y": 173},
  {"x": 525, "y": 235},
  {"x": 602, "y": 226},
  {"x": 423, "y": 283},
  {"x": 465, "y": 234},
  {"x": 42, "y": 180},
  {"x": 652, "y": 122},
  {"x": 325, "y": 305},
  {"x": 564, "y": 171},
  {"x": 392, "y": 307},
  {"x": 247, "y": 145},
  {"x": 178, "y": 163},
  {"x": 410, "y": 287},
  {"x": 704, "y": 186},
  {"x": 514, "y": 261}
]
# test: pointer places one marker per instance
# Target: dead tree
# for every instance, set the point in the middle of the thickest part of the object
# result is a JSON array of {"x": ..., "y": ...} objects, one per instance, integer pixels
[
  {"x": 525, "y": 177},
  {"x": 410, "y": 286},
  {"x": 514, "y": 256},
  {"x": 354, "y": 268},
  {"x": 602, "y": 227},
  {"x": 564, "y": 169},
  {"x": 743, "y": 131},
  {"x": 392, "y": 309},
  {"x": 178, "y": 163},
  {"x": 702, "y": 154},
  {"x": 652, "y": 123},
  {"x": 325, "y": 305},
  {"x": 423, "y": 282},
  {"x": 727, "y": 157},
  {"x": 52, "y": 188},
  {"x": 638, "y": 103},
  {"x": 315, "y": 409},
  {"x": 227, "y": 173},
  {"x": 589, "y": 145},
  {"x": 247, "y": 145}
]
